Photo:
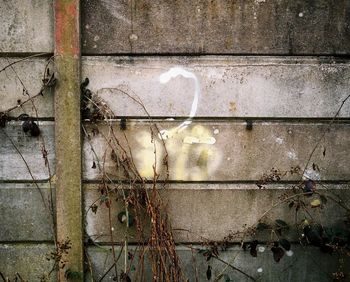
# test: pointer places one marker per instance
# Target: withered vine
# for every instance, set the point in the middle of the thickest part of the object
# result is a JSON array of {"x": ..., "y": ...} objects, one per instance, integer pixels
[{"x": 154, "y": 245}]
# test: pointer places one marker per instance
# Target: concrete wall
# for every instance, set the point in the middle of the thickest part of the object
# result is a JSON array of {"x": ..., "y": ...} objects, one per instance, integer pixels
[{"x": 276, "y": 64}]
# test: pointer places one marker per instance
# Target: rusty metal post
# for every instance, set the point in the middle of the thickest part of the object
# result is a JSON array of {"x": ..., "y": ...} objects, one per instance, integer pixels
[{"x": 68, "y": 137}]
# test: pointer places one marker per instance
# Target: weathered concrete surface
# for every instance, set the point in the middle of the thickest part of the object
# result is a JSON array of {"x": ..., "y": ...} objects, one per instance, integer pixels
[
  {"x": 29, "y": 260},
  {"x": 26, "y": 26},
  {"x": 31, "y": 73},
  {"x": 229, "y": 86},
  {"x": 224, "y": 151},
  {"x": 264, "y": 27},
  {"x": 12, "y": 166},
  {"x": 201, "y": 212},
  {"x": 68, "y": 141},
  {"x": 306, "y": 264},
  {"x": 23, "y": 214}
]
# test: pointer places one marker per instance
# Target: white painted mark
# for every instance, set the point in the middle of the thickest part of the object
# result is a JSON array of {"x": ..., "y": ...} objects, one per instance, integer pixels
[
  {"x": 261, "y": 249},
  {"x": 289, "y": 253},
  {"x": 114, "y": 7},
  {"x": 301, "y": 15},
  {"x": 279, "y": 140},
  {"x": 260, "y": 270},
  {"x": 292, "y": 155},
  {"x": 165, "y": 78},
  {"x": 133, "y": 37},
  {"x": 311, "y": 174}
]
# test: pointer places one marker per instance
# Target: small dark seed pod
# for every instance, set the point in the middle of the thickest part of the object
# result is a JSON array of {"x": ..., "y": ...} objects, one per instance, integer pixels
[
  {"x": 84, "y": 83},
  {"x": 26, "y": 126},
  {"x": 34, "y": 130},
  {"x": 249, "y": 125},
  {"x": 123, "y": 123}
]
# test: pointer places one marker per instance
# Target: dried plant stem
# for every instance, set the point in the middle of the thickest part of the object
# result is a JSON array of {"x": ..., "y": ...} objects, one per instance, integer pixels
[
  {"x": 43, "y": 149},
  {"x": 324, "y": 133},
  {"x": 23, "y": 59},
  {"x": 234, "y": 268}
]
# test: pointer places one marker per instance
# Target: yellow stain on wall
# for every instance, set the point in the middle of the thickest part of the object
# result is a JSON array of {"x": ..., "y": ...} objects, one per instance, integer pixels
[
  {"x": 195, "y": 155},
  {"x": 192, "y": 154},
  {"x": 148, "y": 155}
]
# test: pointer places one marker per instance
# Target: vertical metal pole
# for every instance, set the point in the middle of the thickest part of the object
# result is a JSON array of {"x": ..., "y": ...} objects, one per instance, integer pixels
[{"x": 68, "y": 137}]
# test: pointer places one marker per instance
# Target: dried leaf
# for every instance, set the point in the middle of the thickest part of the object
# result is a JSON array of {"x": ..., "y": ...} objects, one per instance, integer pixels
[
  {"x": 122, "y": 218},
  {"x": 310, "y": 186},
  {"x": 262, "y": 226},
  {"x": 278, "y": 253},
  {"x": 285, "y": 244},
  {"x": 315, "y": 167},
  {"x": 124, "y": 277},
  {"x": 323, "y": 199},
  {"x": 3, "y": 119},
  {"x": 315, "y": 203},
  {"x": 313, "y": 234},
  {"x": 94, "y": 208},
  {"x": 281, "y": 223},
  {"x": 123, "y": 123},
  {"x": 253, "y": 251},
  {"x": 209, "y": 272},
  {"x": 227, "y": 278},
  {"x": 291, "y": 204}
]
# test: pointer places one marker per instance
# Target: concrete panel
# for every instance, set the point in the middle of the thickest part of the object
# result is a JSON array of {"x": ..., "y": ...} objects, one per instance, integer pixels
[
  {"x": 228, "y": 86},
  {"x": 26, "y": 26},
  {"x": 31, "y": 73},
  {"x": 306, "y": 264},
  {"x": 224, "y": 151},
  {"x": 204, "y": 212},
  {"x": 23, "y": 214},
  {"x": 12, "y": 166},
  {"x": 220, "y": 27},
  {"x": 29, "y": 260}
]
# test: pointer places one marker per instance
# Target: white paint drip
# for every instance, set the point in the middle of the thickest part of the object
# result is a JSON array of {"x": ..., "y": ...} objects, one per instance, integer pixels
[{"x": 165, "y": 78}]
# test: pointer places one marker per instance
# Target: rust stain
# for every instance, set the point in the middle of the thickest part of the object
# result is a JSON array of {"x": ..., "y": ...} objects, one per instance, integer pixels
[{"x": 66, "y": 28}]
